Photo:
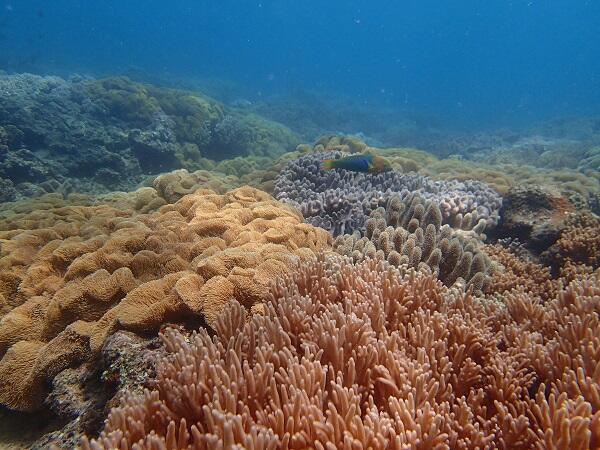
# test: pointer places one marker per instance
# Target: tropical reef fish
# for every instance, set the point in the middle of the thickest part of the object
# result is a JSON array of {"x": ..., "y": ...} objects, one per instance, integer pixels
[{"x": 358, "y": 163}]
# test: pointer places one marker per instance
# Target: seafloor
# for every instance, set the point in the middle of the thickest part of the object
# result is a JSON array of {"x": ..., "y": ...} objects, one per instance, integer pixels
[{"x": 177, "y": 272}]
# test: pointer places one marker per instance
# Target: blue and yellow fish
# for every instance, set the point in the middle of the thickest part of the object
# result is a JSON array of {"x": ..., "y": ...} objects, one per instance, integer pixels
[{"x": 358, "y": 163}]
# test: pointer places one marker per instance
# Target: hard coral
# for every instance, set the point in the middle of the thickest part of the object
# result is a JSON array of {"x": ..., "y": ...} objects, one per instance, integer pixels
[
  {"x": 579, "y": 242},
  {"x": 107, "y": 134},
  {"x": 174, "y": 185},
  {"x": 124, "y": 100},
  {"x": 515, "y": 274},
  {"x": 340, "y": 201},
  {"x": 241, "y": 134},
  {"x": 369, "y": 356},
  {"x": 109, "y": 269},
  {"x": 409, "y": 232},
  {"x": 535, "y": 215},
  {"x": 346, "y": 144},
  {"x": 499, "y": 174}
]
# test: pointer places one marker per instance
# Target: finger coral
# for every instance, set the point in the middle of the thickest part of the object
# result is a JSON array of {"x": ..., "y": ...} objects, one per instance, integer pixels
[
  {"x": 370, "y": 356},
  {"x": 465, "y": 161},
  {"x": 107, "y": 269},
  {"x": 341, "y": 201},
  {"x": 409, "y": 231}
]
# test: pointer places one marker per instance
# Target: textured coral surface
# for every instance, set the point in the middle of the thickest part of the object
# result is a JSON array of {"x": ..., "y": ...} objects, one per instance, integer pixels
[
  {"x": 409, "y": 231},
  {"x": 107, "y": 134},
  {"x": 71, "y": 276},
  {"x": 579, "y": 242},
  {"x": 340, "y": 200},
  {"x": 372, "y": 357},
  {"x": 343, "y": 355}
]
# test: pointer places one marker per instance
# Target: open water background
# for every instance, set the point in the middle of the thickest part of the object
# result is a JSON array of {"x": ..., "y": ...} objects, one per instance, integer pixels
[{"x": 471, "y": 62}]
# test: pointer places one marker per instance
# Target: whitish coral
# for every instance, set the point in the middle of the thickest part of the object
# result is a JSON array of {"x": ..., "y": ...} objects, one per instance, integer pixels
[
  {"x": 340, "y": 201},
  {"x": 409, "y": 232},
  {"x": 109, "y": 269},
  {"x": 499, "y": 173}
]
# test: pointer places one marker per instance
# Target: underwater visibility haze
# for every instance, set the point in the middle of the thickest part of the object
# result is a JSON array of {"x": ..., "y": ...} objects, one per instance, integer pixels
[
  {"x": 299, "y": 224},
  {"x": 491, "y": 62}
]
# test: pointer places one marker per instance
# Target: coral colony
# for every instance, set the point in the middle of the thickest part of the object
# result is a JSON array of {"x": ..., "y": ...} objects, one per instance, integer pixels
[{"x": 180, "y": 274}]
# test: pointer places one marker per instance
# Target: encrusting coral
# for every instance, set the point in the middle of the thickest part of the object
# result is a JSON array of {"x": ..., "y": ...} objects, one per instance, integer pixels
[
  {"x": 516, "y": 274},
  {"x": 92, "y": 270},
  {"x": 371, "y": 356},
  {"x": 409, "y": 231},
  {"x": 227, "y": 175},
  {"x": 579, "y": 242},
  {"x": 177, "y": 183}
]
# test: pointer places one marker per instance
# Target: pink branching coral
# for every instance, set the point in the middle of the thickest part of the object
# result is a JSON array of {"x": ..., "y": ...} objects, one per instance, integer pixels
[{"x": 367, "y": 356}]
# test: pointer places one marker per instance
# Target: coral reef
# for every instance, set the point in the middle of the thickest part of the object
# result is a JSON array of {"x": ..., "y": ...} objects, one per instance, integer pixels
[
  {"x": 58, "y": 131},
  {"x": 412, "y": 333},
  {"x": 217, "y": 131},
  {"x": 534, "y": 215},
  {"x": 539, "y": 151},
  {"x": 173, "y": 185},
  {"x": 515, "y": 274},
  {"x": 370, "y": 356},
  {"x": 255, "y": 171},
  {"x": 590, "y": 163},
  {"x": 80, "y": 273},
  {"x": 337, "y": 143},
  {"x": 463, "y": 163},
  {"x": 249, "y": 134},
  {"x": 8, "y": 192},
  {"x": 409, "y": 231},
  {"x": 579, "y": 242},
  {"x": 83, "y": 396},
  {"x": 504, "y": 176},
  {"x": 340, "y": 201},
  {"x": 105, "y": 135}
]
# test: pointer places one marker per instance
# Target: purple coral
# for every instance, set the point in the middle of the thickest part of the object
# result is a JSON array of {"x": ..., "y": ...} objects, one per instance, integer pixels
[{"x": 340, "y": 201}]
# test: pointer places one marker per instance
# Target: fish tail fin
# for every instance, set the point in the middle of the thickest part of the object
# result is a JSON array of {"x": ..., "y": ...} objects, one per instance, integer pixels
[{"x": 327, "y": 164}]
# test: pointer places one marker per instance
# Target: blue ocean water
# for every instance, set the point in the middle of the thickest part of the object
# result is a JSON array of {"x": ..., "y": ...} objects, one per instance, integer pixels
[{"x": 494, "y": 62}]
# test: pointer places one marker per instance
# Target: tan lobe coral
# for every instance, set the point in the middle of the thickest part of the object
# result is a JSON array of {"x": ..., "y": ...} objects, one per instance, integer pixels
[
  {"x": 29, "y": 364},
  {"x": 123, "y": 269}
]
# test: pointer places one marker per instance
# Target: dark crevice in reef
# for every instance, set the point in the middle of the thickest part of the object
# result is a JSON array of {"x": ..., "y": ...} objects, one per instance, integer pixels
[{"x": 20, "y": 430}]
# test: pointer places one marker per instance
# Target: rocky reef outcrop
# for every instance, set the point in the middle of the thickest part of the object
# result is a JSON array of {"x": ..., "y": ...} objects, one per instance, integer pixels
[
  {"x": 341, "y": 201},
  {"x": 102, "y": 135}
]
